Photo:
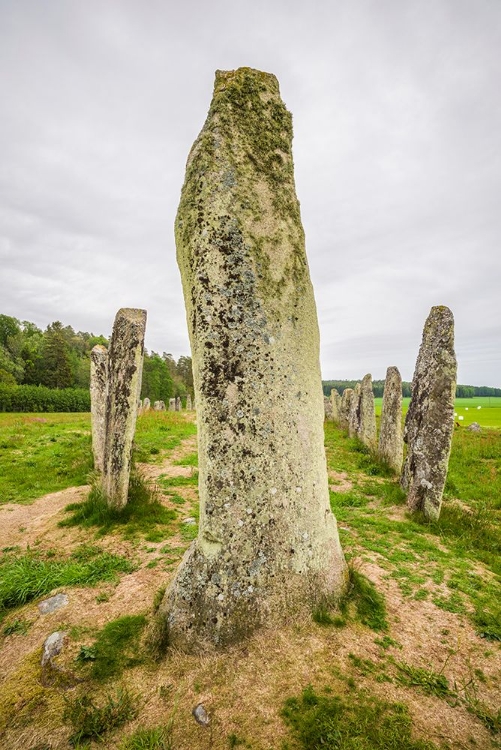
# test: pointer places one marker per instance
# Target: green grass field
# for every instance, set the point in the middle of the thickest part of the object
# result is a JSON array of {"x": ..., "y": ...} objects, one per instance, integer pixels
[{"x": 486, "y": 410}]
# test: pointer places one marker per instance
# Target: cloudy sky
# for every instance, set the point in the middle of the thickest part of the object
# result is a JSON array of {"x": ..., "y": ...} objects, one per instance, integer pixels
[{"x": 397, "y": 131}]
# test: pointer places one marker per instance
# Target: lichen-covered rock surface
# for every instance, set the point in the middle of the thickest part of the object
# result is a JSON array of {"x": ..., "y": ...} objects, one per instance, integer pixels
[
  {"x": 429, "y": 423},
  {"x": 391, "y": 443},
  {"x": 98, "y": 386},
  {"x": 335, "y": 405},
  {"x": 354, "y": 415},
  {"x": 268, "y": 545},
  {"x": 125, "y": 367},
  {"x": 367, "y": 431},
  {"x": 345, "y": 410}
]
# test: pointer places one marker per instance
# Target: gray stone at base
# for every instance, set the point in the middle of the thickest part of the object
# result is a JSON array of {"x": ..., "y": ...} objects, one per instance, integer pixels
[
  {"x": 429, "y": 423},
  {"x": 367, "y": 431},
  {"x": 268, "y": 546},
  {"x": 53, "y": 603},
  {"x": 335, "y": 405},
  {"x": 125, "y": 365},
  {"x": 98, "y": 386},
  {"x": 391, "y": 442},
  {"x": 53, "y": 646}
]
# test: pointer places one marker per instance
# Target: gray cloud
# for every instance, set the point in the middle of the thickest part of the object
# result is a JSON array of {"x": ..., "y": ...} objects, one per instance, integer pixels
[{"x": 397, "y": 150}]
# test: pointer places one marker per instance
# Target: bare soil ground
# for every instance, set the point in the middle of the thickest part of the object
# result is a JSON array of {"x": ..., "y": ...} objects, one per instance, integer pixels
[{"x": 244, "y": 688}]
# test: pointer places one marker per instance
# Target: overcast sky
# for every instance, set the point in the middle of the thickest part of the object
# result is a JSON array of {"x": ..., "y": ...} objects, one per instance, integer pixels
[{"x": 397, "y": 126}]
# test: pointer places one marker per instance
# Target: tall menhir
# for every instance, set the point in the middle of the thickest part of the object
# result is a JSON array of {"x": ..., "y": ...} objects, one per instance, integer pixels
[{"x": 268, "y": 544}]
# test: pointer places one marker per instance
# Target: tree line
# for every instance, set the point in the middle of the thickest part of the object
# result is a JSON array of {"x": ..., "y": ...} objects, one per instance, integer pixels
[
  {"x": 462, "y": 391},
  {"x": 59, "y": 357}
]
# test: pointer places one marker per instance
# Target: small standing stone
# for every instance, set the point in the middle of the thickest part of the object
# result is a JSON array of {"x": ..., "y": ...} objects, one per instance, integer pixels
[
  {"x": 474, "y": 427},
  {"x": 53, "y": 646},
  {"x": 178, "y": 403},
  {"x": 98, "y": 385},
  {"x": 354, "y": 415},
  {"x": 344, "y": 412},
  {"x": 327, "y": 408},
  {"x": 53, "y": 603},
  {"x": 125, "y": 365},
  {"x": 391, "y": 442},
  {"x": 430, "y": 420},
  {"x": 336, "y": 405},
  {"x": 367, "y": 431},
  {"x": 157, "y": 406},
  {"x": 146, "y": 404},
  {"x": 172, "y": 404},
  {"x": 189, "y": 405}
]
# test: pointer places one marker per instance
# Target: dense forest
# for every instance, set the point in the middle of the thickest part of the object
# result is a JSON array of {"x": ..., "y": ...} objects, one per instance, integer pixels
[
  {"x": 59, "y": 357},
  {"x": 462, "y": 391}
]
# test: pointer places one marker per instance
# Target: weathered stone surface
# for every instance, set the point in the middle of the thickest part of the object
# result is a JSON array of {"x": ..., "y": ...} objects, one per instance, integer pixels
[
  {"x": 335, "y": 405},
  {"x": 159, "y": 406},
  {"x": 172, "y": 404},
  {"x": 146, "y": 404},
  {"x": 189, "y": 405},
  {"x": 268, "y": 545},
  {"x": 98, "y": 385},
  {"x": 474, "y": 427},
  {"x": 53, "y": 646},
  {"x": 391, "y": 441},
  {"x": 367, "y": 431},
  {"x": 125, "y": 365},
  {"x": 354, "y": 415},
  {"x": 429, "y": 422},
  {"x": 179, "y": 405},
  {"x": 344, "y": 412},
  {"x": 327, "y": 408},
  {"x": 53, "y": 603}
]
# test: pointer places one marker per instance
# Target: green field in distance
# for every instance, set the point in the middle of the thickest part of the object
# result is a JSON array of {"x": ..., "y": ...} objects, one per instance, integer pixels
[{"x": 486, "y": 410}]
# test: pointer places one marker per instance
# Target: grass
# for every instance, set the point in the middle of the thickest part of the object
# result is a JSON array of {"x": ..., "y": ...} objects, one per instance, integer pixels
[
  {"x": 116, "y": 648},
  {"x": 356, "y": 721},
  {"x": 143, "y": 514},
  {"x": 157, "y": 738},
  {"x": 91, "y": 722},
  {"x": 489, "y": 414},
  {"x": 42, "y": 453},
  {"x": 160, "y": 431},
  {"x": 29, "y": 575}
]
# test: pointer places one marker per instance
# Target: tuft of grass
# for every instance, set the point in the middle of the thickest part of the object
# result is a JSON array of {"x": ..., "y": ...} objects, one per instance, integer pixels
[
  {"x": 91, "y": 722},
  {"x": 116, "y": 647},
  {"x": 17, "y": 627},
  {"x": 355, "y": 722},
  {"x": 430, "y": 682},
  {"x": 143, "y": 513},
  {"x": 24, "y": 577},
  {"x": 369, "y": 603},
  {"x": 190, "y": 460},
  {"x": 157, "y": 738}
]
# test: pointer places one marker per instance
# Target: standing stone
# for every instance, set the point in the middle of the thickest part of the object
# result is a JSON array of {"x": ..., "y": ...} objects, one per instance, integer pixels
[
  {"x": 146, "y": 404},
  {"x": 157, "y": 406},
  {"x": 162, "y": 405},
  {"x": 367, "y": 431},
  {"x": 391, "y": 443},
  {"x": 125, "y": 365},
  {"x": 335, "y": 405},
  {"x": 172, "y": 404},
  {"x": 178, "y": 404},
  {"x": 98, "y": 385},
  {"x": 268, "y": 544},
  {"x": 430, "y": 420},
  {"x": 189, "y": 405},
  {"x": 327, "y": 408},
  {"x": 354, "y": 415},
  {"x": 344, "y": 412}
]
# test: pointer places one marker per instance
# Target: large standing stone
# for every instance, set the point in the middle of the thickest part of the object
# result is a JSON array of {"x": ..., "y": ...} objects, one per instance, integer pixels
[
  {"x": 344, "y": 412},
  {"x": 146, "y": 404},
  {"x": 189, "y": 405},
  {"x": 354, "y": 415},
  {"x": 327, "y": 409},
  {"x": 367, "y": 431},
  {"x": 98, "y": 386},
  {"x": 125, "y": 364},
  {"x": 172, "y": 404},
  {"x": 179, "y": 405},
  {"x": 430, "y": 420},
  {"x": 268, "y": 545},
  {"x": 336, "y": 405},
  {"x": 391, "y": 443}
]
